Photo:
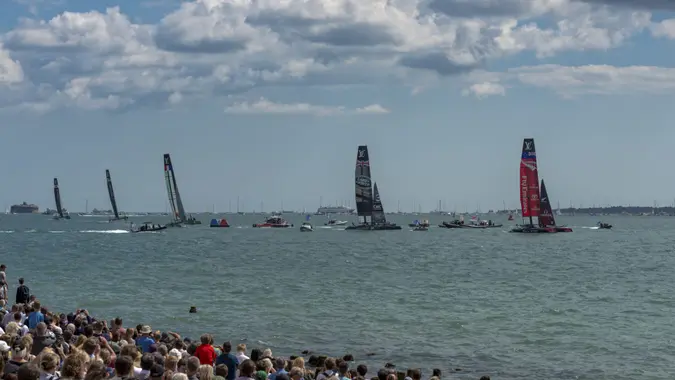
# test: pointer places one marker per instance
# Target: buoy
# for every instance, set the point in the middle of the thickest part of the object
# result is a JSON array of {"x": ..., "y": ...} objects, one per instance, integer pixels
[{"x": 193, "y": 309}]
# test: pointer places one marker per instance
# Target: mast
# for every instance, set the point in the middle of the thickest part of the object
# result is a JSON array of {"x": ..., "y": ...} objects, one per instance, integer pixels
[
  {"x": 111, "y": 194},
  {"x": 363, "y": 184},
  {"x": 57, "y": 198}
]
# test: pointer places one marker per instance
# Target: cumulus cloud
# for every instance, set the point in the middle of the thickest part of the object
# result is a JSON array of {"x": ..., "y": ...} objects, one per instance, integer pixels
[
  {"x": 484, "y": 89},
  {"x": 209, "y": 48},
  {"x": 264, "y": 106},
  {"x": 574, "y": 81}
]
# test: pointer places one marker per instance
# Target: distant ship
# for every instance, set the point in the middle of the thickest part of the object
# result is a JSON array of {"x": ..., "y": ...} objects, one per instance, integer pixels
[
  {"x": 25, "y": 208},
  {"x": 334, "y": 210}
]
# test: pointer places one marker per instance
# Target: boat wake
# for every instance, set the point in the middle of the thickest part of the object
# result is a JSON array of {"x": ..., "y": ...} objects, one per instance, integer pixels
[
  {"x": 56, "y": 232},
  {"x": 592, "y": 228},
  {"x": 106, "y": 231},
  {"x": 6, "y": 232}
]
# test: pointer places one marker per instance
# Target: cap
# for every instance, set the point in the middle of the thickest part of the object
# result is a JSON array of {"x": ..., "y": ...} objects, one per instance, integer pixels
[{"x": 4, "y": 347}]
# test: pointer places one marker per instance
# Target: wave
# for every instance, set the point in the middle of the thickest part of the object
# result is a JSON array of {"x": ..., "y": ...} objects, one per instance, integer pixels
[{"x": 106, "y": 231}]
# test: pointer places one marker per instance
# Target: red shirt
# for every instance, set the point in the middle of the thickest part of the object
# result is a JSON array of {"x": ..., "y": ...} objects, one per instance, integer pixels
[{"x": 206, "y": 354}]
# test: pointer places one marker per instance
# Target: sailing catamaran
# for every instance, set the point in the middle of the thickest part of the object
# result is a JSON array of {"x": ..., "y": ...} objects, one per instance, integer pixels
[
  {"x": 57, "y": 198},
  {"x": 529, "y": 191},
  {"x": 113, "y": 202},
  {"x": 546, "y": 218},
  {"x": 368, "y": 205},
  {"x": 175, "y": 202}
]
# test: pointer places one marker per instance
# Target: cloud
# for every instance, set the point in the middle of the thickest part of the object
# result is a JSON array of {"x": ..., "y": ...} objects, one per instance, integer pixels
[
  {"x": 210, "y": 48},
  {"x": 574, "y": 81},
  {"x": 638, "y": 4},
  {"x": 264, "y": 106},
  {"x": 484, "y": 89}
]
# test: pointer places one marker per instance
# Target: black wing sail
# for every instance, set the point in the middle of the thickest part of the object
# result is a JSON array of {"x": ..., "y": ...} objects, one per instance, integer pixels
[
  {"x": 57, "y": 198},
  {"x": 546, "y": 218},
  {"x": 364, "y": 189},
  {"x": 111, "y": 193},
  {"x": 378, "y": 210}
]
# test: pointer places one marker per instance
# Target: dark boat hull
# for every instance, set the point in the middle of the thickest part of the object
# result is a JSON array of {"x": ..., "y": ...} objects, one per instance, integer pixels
[
  {"x": 193, "y": 222},
  {"x": 479, "y": 226},
  {"x": 562, "y": 229},
  {"x": 220, "y": 226},
  {"x": 534, "y": 230},
  {"x": 421, "y": 225},
  {"x": 150, "y": 229},
  {"x": 450, "y": 225},
  {"x": 606, "y": 227},
  {"x": 268, "y": 225},
  {"x": 373, "y": 227}
]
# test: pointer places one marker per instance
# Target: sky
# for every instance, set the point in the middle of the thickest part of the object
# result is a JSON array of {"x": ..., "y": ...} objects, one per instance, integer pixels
[{"x": 267, "y": 101}]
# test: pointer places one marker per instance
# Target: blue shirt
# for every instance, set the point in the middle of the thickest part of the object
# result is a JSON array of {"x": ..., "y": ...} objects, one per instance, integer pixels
[
  {"x": 145, "y": 342},
  {"x": 273, "y": 376},
  {"x": 231, "y": 362},
  {"x": 34, "y": 318}
]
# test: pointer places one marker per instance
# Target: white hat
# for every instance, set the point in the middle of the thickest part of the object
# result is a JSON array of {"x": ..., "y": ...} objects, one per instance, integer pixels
[
  {"x": 4, "y": 347},
  {"x": 175, "y": 352}
]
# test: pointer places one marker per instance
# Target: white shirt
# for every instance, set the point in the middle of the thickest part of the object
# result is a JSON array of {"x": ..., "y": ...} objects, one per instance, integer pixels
[{"x": 241, "y": 357}]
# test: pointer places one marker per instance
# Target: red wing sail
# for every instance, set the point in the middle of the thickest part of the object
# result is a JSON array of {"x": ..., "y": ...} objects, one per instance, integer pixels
[
  {"x": 529, "y": 180},
  {"x": 546, "y": 218}
]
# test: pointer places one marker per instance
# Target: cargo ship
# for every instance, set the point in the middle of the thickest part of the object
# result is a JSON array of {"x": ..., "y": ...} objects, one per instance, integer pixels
[{"x": 24, "y": 208}]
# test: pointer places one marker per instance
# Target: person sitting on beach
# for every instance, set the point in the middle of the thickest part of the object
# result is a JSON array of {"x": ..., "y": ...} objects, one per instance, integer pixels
[
  {"x": 205, "y": 352},
  {"x": 241, "y": 353},
  {"x": 145, "y": 341},
  {"x": 229, "y": 360}
]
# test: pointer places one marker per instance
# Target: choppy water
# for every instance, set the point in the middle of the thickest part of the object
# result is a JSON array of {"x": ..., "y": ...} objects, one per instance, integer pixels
[{"x": 593, "y": 304}]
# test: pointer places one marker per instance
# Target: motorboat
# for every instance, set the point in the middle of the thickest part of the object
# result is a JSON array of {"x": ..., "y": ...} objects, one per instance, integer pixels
[
  {"x": 147, "y": 227},
  {"x": 274, "y": 221},
  {"x": 219, "y": 223},
  {"x": 482, "y": 224},
  {"x": 306, "y": 227},
  {"x": 604, "y": 226},
  {"x": 453, "y": 224},
  {"x": 333, "y": 222},
  {"x": 192, "y": 221},
  {"x": 423, "y": 223},
  {"x": 421, "y": 228}
]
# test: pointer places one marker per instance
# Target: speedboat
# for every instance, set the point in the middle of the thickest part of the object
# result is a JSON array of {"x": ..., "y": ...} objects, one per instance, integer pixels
[
  {"x": 306, "y": 227},
  {"x": 333, "y": 222},
  {"x": 424, "y": 223},
  {"x": 274, "y": 221},
  {"x": 192, "y": 221},
  {"x": 481, "y": 224},
  {"x": 147, "y": 227},
  {"x": 604, "y": 226},
  {"x": 453, "y": 224}
]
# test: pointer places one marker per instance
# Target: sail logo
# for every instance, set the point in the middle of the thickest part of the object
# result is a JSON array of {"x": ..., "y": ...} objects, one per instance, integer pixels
[
  {"x": 362, "y": 153},
  {"x": 363, "y": 181},
  {"x": 532, "y": 165},
  {"x": 529, "y": 145}
]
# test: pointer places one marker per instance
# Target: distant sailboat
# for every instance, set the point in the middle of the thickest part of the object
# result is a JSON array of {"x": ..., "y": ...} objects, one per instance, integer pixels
[
  {"x": 529, "y": 191},
  {"x": 546, "y": 218},
  {"x": 60, "y": 211},
  {"x": 113, "y": 201},
  {"x": 368, "y": 203},
  {"x": 175, "y": 202}
]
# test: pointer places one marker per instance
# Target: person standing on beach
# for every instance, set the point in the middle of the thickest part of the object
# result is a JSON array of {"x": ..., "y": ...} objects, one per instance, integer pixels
[
  {"x": 22, "y": 293},
  {"x": 3, "y": 283},
  {"x": 145, "y": 341},
  {"x": 35, "y": 316},
  {"x": 205, "y": 352},
  {"x": 227, "y": 358}
]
